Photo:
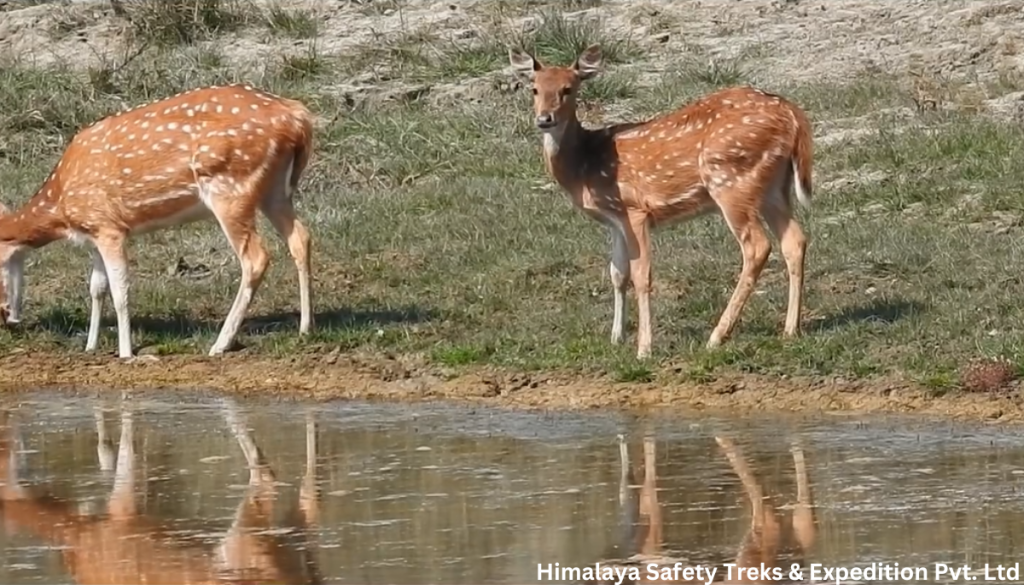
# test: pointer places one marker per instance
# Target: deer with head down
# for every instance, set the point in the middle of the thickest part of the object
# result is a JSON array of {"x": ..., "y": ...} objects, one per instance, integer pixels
[
  {"x": 738, "y": 151},
  {"x": 221, "y": 153}
]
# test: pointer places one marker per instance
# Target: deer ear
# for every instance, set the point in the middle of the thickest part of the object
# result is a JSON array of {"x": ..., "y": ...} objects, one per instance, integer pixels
[
  {"x": 588, "y": 64},
  {"x": 523, "y": 63}
]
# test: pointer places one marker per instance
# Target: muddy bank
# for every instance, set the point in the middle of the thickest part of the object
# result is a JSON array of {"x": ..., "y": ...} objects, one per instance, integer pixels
[{"x": 338, "y": 376}]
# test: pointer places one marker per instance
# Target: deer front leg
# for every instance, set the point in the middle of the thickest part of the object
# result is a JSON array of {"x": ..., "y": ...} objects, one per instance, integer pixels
[
  {"x": 111, "y": 250},
  {"x": 640, "y": 273},
  {"x": 618, "y": 268},
  {"x": 98, "y": 286},
  {"x": 14, "y": 286}
]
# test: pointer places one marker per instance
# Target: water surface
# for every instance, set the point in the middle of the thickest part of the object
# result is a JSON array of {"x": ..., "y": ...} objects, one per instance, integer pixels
[{"x": 234, "y": 491}]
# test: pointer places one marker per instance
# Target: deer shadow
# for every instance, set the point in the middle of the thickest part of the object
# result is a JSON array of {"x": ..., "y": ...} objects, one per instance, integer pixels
[
  {"x": 184, "y": 324},
  {"x": 878, "y": 310}
]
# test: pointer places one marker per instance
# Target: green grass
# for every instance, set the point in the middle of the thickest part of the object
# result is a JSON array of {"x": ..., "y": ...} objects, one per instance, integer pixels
[{"x": 437, "y": 232}]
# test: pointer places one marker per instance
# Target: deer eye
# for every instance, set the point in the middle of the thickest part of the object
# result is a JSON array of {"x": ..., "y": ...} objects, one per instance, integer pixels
[
  {"x": 566, "y": 92},
  {"x": 535, "y": 91}
]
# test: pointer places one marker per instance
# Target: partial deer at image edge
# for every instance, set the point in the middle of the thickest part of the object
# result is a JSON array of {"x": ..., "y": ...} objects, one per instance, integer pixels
[{"x": 219, "y": 152}]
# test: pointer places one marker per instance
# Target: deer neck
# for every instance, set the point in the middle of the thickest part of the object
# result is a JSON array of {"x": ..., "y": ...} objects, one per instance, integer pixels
[
  {"x": 562, "y": 154},
  {"x": 34, "y": 225}
]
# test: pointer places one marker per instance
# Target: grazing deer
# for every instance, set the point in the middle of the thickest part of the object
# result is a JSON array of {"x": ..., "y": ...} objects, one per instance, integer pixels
[
  {"x": 766, "y": 542},
  {"x": 735, "y": 151},
  {"x": 212, "y": 152},
  {"x": 124, "y": 546}
]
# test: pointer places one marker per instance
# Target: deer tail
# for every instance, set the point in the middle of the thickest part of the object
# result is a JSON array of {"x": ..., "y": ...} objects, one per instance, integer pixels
[
  {"x": 303, "y": 147},
  {"x": 802, "y": 157}
]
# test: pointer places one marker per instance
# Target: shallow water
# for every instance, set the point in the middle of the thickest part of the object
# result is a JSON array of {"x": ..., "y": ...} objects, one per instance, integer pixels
[{"x": 438, "y": 494}]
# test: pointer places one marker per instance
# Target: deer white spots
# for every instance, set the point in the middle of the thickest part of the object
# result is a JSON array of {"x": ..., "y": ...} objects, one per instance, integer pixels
[
  {"x": 85, "y": 197},
  {"x": 739, "y": 151}
]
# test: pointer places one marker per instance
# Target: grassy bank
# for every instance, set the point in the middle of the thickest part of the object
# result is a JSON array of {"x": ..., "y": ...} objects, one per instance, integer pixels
[{"x": 437, "y": 231}]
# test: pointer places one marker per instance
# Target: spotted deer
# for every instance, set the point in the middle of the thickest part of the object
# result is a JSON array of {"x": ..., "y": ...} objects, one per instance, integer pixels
[
  {"x": 736, "y": 151},
  {"x": 123, "y": 544},
  {"x": 220, "y": 152}
]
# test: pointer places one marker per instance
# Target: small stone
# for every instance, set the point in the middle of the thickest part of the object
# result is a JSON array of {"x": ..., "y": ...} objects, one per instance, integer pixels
[{"x": 987, "y": 375}]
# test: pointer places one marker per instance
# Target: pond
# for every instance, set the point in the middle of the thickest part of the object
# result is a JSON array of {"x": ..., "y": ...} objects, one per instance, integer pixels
[{"x": 197, "y": 488}]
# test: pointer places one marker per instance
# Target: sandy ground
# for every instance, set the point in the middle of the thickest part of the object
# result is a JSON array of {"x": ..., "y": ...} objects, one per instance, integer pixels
[
  {"x": 973, "y": 42},
  {"x": 797, "y": 40},
  {"x": 340, "y": 376}
]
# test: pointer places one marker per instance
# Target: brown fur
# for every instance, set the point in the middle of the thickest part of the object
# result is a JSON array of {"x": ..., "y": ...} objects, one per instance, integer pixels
[
  {"x": 735, "y": 151},
  {"x": 218, "y": 153}
]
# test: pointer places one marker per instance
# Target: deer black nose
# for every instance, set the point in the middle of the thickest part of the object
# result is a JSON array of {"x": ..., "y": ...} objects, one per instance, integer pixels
[{"x": 545, "y": 121}]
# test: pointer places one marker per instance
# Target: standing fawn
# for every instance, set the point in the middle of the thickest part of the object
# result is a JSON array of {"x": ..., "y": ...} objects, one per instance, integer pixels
[
  {"x": 213, "y": 152},
  {"x": 735, "y": 151}
]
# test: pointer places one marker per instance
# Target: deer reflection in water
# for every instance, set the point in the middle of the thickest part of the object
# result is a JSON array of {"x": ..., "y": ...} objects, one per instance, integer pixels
[
  {"x": 124, "y": 546},
  {"x": 769, "y": 540}
]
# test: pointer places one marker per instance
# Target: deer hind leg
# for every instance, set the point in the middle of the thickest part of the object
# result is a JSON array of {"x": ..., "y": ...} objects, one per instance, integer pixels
[
  {"x": 237, "y": 218},
  {"x": 99, "y": 284},
  {"x": 778, "y": 212},
  {"x": 110, "y": 248},
  {"x": 640, "y": 274},
  {"x": 618, "y": 269},
  {"x": 745, "y": 223},
  {"x": 278, "y": 208}
]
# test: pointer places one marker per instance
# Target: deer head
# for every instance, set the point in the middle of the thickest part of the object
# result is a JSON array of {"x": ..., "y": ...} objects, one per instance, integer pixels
[{"x": 554, "y": 87}]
